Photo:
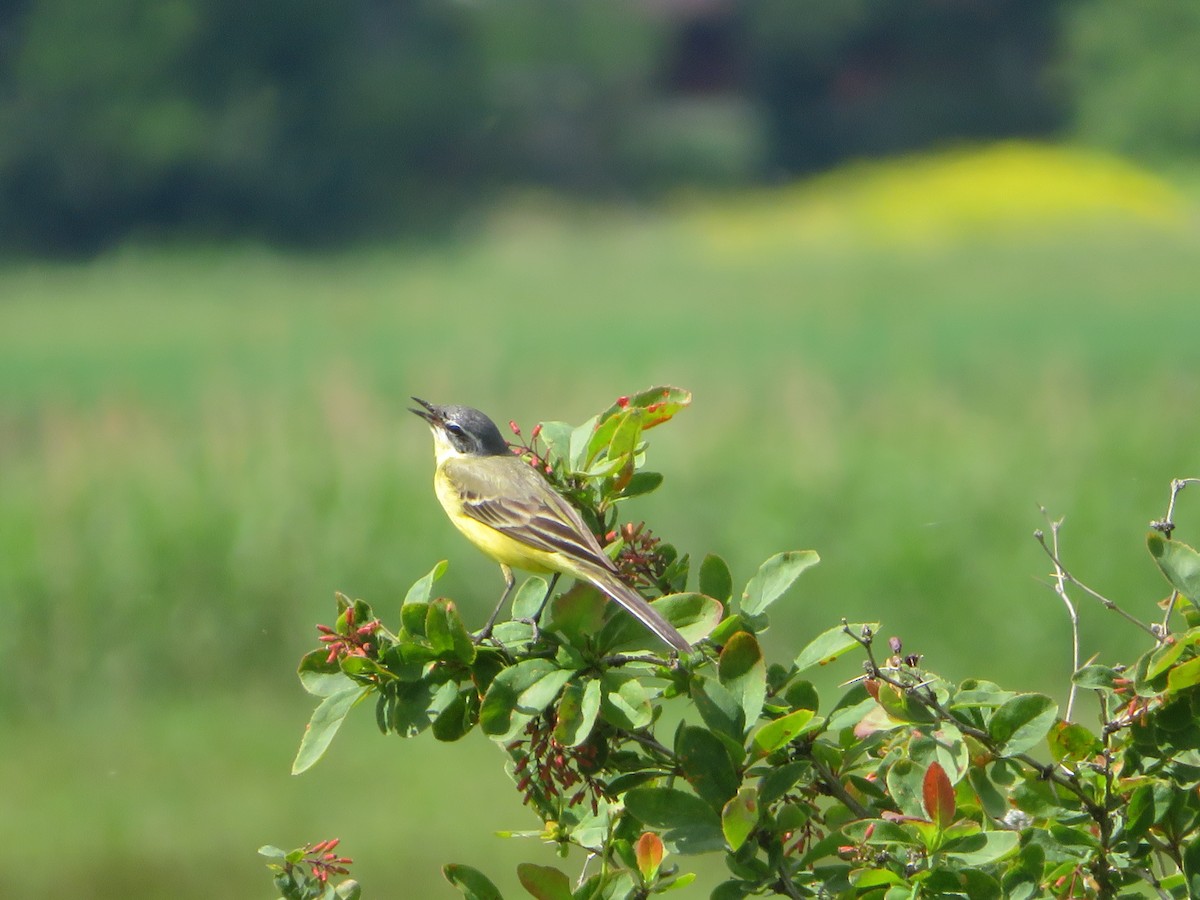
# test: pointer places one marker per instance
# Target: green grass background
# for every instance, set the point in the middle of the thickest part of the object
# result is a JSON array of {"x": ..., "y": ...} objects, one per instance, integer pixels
[{"x": 198, "y": 446}]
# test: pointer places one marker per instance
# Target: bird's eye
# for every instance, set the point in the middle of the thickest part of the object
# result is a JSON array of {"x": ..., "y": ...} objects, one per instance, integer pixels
[{"x": 455, "y": 429}]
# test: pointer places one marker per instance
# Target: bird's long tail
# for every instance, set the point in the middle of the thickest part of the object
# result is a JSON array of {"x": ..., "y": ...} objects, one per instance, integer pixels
[{"x": 635, "y": 604}]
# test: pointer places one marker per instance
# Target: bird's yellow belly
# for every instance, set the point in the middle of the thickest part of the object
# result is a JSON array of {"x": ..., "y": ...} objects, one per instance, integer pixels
[{"x": 499, "y": 546}]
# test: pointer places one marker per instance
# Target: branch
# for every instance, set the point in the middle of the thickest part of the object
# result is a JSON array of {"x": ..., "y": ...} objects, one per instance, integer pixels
[
  {"x": 1147, "y": 876},
  {"x": 837, "y": 789},
  {"x": 1060, "y": 588},
  {"x": 1167, "y": 526},
  {"x": 1108, "y": 604}
]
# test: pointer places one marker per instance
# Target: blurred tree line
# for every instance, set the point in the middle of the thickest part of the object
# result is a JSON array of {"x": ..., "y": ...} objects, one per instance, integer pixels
[{"x": 314, "y": 120}]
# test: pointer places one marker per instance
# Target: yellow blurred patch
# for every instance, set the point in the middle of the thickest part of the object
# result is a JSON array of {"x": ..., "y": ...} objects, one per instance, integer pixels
[{"x": 1008, "y": 187}]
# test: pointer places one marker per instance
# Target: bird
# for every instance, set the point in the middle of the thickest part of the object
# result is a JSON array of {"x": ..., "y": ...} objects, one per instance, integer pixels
[{"x": 507, "y": 509}]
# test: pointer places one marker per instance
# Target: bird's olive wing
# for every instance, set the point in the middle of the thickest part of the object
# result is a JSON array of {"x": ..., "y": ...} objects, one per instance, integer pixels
[{"x": 509, "y": 496}]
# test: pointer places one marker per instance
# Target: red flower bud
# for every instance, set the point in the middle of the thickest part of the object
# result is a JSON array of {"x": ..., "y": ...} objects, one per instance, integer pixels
[
  {"x": 537, "y": 429},
  {"x": 516, "y": 429},
  {"x": 622, "y": 402}
]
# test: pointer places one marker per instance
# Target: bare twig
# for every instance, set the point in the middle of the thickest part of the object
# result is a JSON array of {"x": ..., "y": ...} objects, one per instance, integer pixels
[
  {"x": 1060, "y": 588},
  {"x": 1065, "y": 574},
  {"x": 1167, "y": 523},
  {"x": 1167, "y": 526},
  {"x": 1147, "y": 876}
]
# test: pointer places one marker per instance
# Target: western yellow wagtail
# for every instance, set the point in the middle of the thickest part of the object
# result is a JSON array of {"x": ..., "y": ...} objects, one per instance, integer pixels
[{"x": 511, "y": 513}]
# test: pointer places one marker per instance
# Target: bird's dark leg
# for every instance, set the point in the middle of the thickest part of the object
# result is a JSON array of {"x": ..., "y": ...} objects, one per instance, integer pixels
[
  {"x": 537, "y": 616},
  {"x": 509, "y": 581}
]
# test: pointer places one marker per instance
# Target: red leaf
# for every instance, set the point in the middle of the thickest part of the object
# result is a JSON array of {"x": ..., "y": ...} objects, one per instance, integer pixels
[
  {"x": 649, "y": 852},
  {"x": 938, "y": 793}
]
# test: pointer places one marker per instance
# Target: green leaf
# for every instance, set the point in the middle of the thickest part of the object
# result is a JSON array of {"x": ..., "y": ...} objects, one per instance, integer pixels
[
  {"x": 622, "y": 448},
  {"x": 778, "y": 732},
  {"x": 544, "y": 882},
  {"x": 413, "y": 616},
  {"x": 624, "y": 702},
  {"x": 945, "y": 746},
  {"x": 447, "y": 634},
  {"x": 1022, "y": 723},
  {"x": 580, "y": 447},
  {"x": 905, "y": 781},
  {"x": 1023, "y": 879},
  {"x": 991, "y": 798},
  {"x": 1097, "y": 678},
  {"x": 528, "y": 600},
  {"x": 642, "y": 483},
  {"x": 660, "y": 404},
  {"x": 937, "y": 795},
  {"x": 875, "y": 878},
  {"x": 326, "y": 719},
  {"x": 739, "y": 816},
  {"x": 579, "y": 613},
  {"x": 1070, "y": 741},
  {"x": 422, "y": 588},
  {"x": 706, "y": 765},
  {"x": 577, "y": 711},
  {"x": 1147, "y": 806},
  {"x": 720, "y": 710},
  {"x": 1178, "y": 562},
  {"x": 473, "y": 883},
  {"x": 693, "y": 615},
  {"x": 502, "y": 714},
  {"x": 976, "y": 693},
  {"x": 689, "y": 824},
  {"x": 1169, "y": 651},
  {"x": 802, "y": 695},
  {"x": 744, "y": 674},
  {"x": 1183, "y": 676},
  {"x": 715, "y": 578},
  {"x": 453, "y": 722},
  {"x": 665, "y": 807},
  {"x": 773, "y": 578},
  {"x": 903, "y": 706},
  {"x": 409, "y": 708},
  {"x": 1191, "y": 867},
  {"x": 831, "y": 644},
  {"x": 321, "y": 678},
  {"x": 781, "y": 779},
  {"x": 557, "y": 438}
]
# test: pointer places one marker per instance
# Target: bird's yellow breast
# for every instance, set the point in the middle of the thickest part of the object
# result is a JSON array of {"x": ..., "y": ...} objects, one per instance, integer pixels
[{"x": 499, "y": 546}]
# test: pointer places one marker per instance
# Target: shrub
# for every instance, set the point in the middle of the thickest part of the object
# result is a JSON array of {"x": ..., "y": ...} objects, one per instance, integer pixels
[{"x": 907, "y": 785}]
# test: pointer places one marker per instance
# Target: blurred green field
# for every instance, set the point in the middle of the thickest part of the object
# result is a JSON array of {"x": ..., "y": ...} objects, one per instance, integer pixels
[{"x": 199, "y": 445}]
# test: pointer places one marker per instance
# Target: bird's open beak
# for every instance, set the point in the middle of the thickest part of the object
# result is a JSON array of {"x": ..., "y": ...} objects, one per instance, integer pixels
[{"x": 430, "y": 413}]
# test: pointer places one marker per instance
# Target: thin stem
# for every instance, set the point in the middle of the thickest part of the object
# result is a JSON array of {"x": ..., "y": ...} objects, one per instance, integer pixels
[
  {"x": 785, "y": 882},
  {"x": 837, "y": 789},
  {"x": 623, "y": 659},
  {"x": 648, "y": 742},
  {"x": 1060, "y": 588},
  {"x": 1147, "y": 876},
  {"x": 1108, "y": 604},
  {"x": 1167, "y": 526}
]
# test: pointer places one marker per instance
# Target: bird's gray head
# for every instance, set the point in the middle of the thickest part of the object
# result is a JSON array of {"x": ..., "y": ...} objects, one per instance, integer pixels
[{"x": 462, "y": 431}]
